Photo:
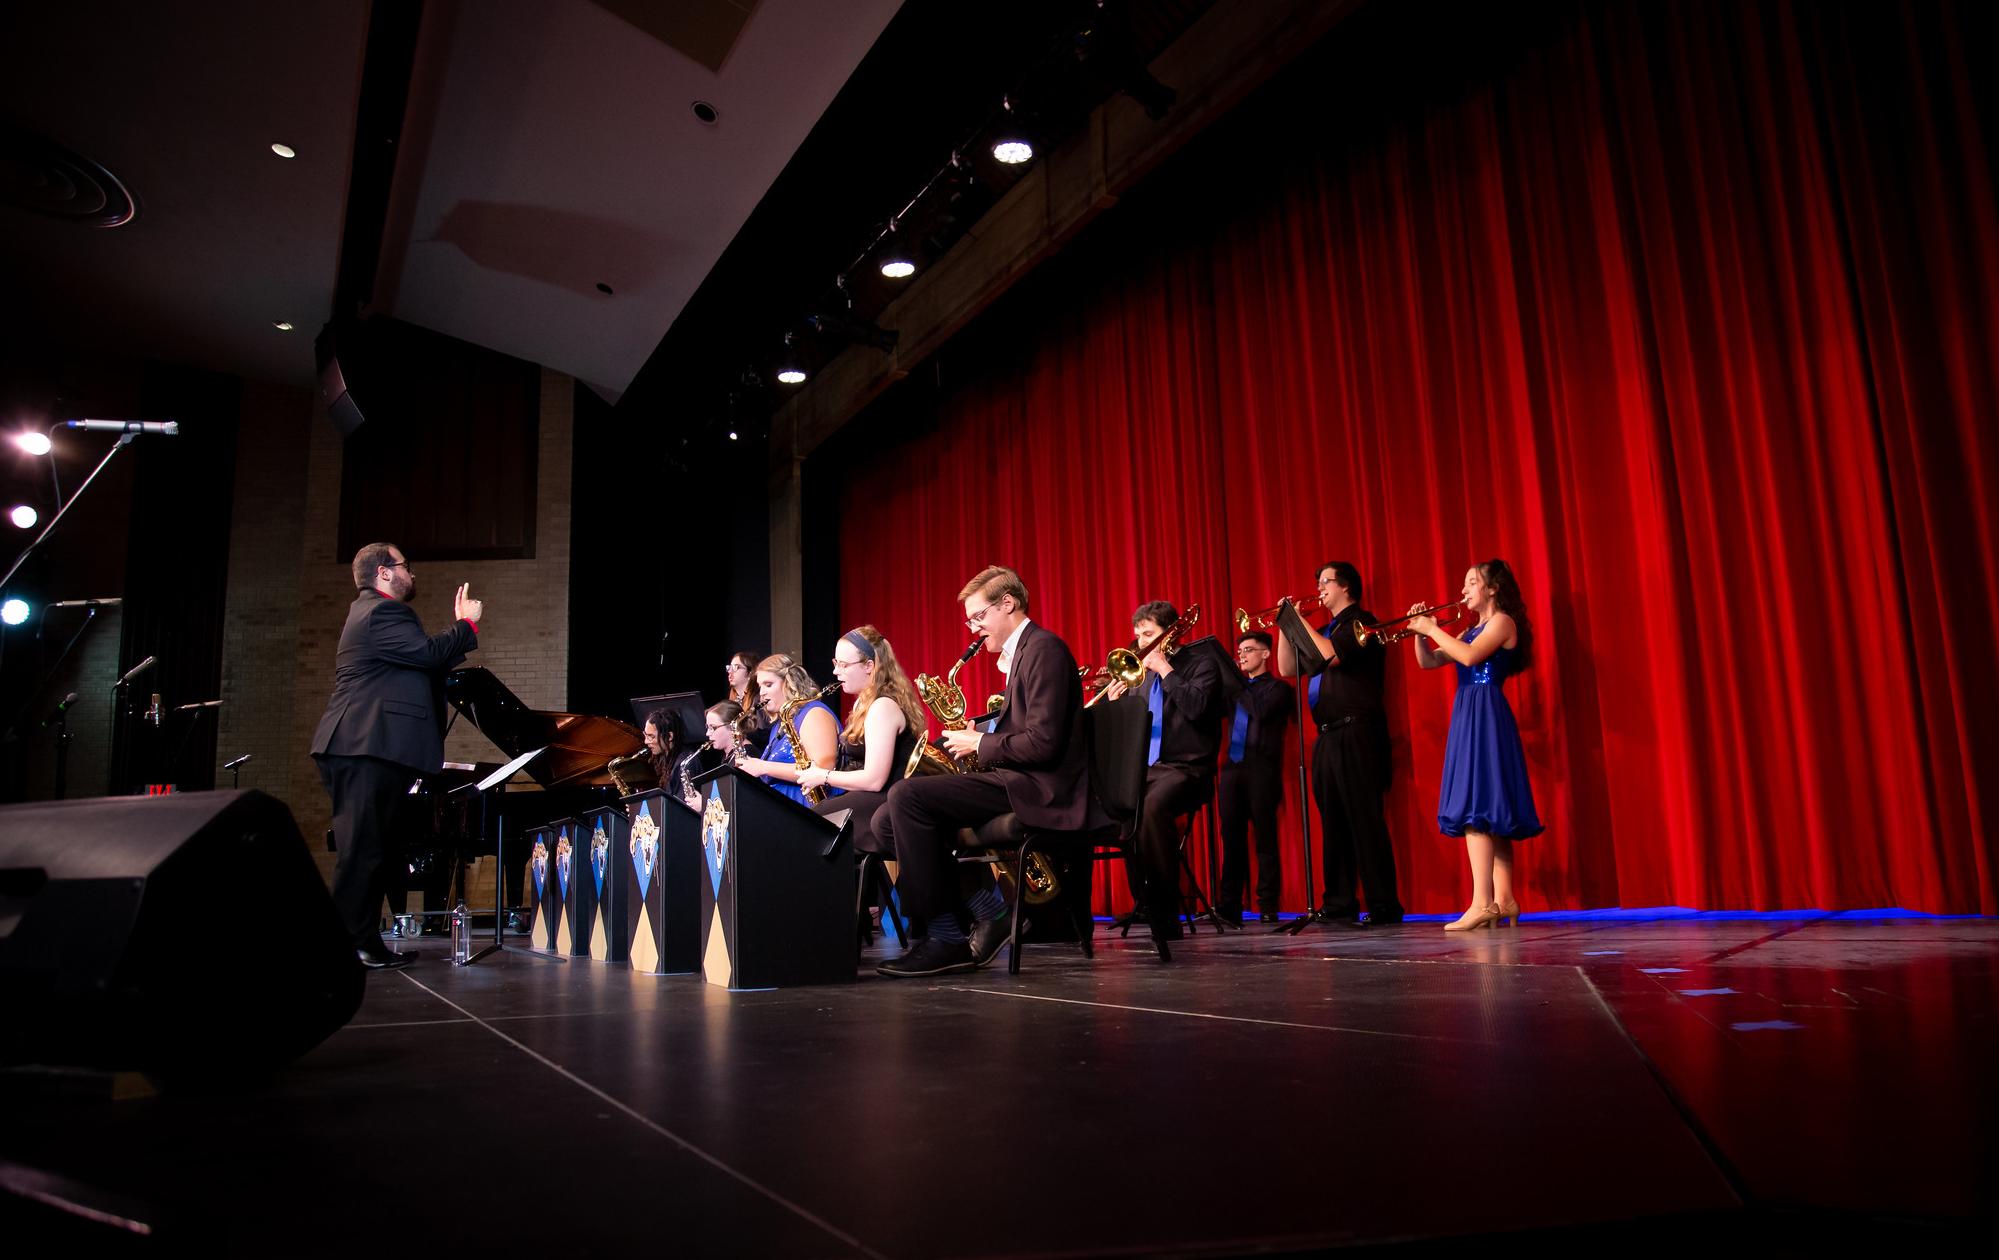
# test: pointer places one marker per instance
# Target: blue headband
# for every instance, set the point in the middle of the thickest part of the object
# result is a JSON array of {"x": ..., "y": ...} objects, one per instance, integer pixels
[{"x": 861, "y": 644}]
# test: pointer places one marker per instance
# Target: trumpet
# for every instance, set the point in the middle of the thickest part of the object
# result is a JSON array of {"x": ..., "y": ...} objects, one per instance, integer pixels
[
  {"x": 1127, "y": 664},
  {"x": 1265, "y": 618},
  {"x": 1363, "y": 633}
]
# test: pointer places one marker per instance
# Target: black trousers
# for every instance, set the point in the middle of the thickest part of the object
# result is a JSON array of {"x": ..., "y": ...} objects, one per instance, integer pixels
[
  {"x": 1350, "y": 774},
  {"x": 920, "y": 824},
  {"x": 1171, "y": 790},
  {"x": 1250, "y": 794},
  {"x": 366, "y": 793}
]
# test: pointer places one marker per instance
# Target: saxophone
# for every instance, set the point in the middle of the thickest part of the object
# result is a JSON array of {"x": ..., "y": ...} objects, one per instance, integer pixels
[
  {"x": 787, "y": 720},
  {"x": 686, "y": 768},
  {"x": 946, "y": 702}
]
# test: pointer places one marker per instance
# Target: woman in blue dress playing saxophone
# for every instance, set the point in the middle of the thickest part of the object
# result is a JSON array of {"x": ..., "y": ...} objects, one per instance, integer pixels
[{"x": 1485, "y": 796}]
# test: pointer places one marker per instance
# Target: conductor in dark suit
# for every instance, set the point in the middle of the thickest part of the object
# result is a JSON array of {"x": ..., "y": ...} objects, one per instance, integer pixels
[
  {"x": 1182, "y": 692},
  {"x": 1034, "y": 762},
  {"x": 383, "y": 728}
]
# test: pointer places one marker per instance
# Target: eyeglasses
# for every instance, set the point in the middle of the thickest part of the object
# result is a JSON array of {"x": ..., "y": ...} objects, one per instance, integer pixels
[
  {"x": 404, "y": 565},
  {"x": 977, "y": 620}
]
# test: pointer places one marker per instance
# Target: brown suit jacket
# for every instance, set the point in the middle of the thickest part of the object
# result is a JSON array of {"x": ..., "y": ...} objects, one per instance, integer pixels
[{"x": 1037, "y": 747}]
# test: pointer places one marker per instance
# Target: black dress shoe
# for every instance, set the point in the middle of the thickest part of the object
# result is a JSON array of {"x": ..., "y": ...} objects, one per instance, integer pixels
[
  {"x": 930, "y": 957},
  {"x": 1166, "y": 929},
  {"x": 383, "y": 959},
  {"x": 1268, "y": 916},
  {"x": 1231, "y": 918},
  {"x": 990, "y": 937},
  {"x": 1380, "y": 921}
]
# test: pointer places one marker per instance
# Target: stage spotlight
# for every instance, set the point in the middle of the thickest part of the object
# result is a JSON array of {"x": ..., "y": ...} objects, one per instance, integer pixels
[
  {"x": 23, "y": 516},
  {"x": 14, "y": 611},
  {"x": 1012, "y": 145},
  {"x": 33, "y": 443},
  {"x": 790, "y": 369},
  {"x": 896, "y": 264}
]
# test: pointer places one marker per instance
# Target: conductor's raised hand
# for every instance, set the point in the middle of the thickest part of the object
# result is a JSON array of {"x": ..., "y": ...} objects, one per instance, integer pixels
[{"x": 464, "y": 607}]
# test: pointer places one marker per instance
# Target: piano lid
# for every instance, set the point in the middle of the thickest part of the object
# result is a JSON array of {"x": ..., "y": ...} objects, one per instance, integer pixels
[{"x": 578, "y": 744}]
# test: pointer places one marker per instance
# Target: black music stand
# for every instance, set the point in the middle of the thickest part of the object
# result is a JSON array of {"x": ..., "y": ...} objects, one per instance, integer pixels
[
  {"x": 686, "y": 703},
  {"x": 1311, "y": 663},
  {"x": 485, "y": 788}
]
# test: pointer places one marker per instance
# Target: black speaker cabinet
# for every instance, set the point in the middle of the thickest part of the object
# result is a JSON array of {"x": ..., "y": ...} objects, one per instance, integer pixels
[{"x": 187, "y": 934}]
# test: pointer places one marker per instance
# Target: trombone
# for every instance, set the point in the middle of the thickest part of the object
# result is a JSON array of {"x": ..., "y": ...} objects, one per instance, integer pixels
[
  {"x": 1363, "y": 633},
  {"x": 1265, "y": 618},
  {"x": 1127, "y": 664}
]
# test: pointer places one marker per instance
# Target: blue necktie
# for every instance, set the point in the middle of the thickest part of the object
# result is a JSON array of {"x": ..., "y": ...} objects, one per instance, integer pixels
[
  {"x": 1239, "y": 729},
  {"x": 1155, "y": 703}
]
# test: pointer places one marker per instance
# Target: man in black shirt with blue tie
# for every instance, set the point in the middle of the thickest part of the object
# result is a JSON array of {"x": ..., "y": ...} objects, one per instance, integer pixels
[
  {"x": 1183, "y": 692},
  {"x": 1252, "y": 781},
  {"x": 1350, "y": 763}
]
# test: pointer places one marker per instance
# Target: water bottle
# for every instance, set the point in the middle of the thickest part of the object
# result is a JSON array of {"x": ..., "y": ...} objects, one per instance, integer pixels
[{"x": 461, "y": 935}]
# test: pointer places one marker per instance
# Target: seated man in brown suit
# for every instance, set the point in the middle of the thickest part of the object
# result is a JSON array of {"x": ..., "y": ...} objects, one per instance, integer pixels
[{"x": 1034, "y": 763}]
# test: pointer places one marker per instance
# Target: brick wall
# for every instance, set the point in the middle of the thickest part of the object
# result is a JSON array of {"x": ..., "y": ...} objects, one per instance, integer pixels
[{"x": 288, "y": 597}]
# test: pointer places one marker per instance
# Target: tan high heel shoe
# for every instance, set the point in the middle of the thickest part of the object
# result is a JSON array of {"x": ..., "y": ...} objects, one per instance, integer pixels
[
  {"x": 1485, "y": 920},
  {"x": 1509, "y": 914}
]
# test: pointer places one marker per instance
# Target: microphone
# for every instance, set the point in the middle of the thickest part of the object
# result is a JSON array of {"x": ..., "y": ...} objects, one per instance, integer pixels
[
  {"x": 55, "y": 715},
  {"x": 231, "y": 765},
  {"x": 164, "y": 428},
  {"x": 199, "y": 704},
  {"x": 112, "y": 602},
  {"x": 135, "y": 671},
  {"x": 153, "y": 712}
]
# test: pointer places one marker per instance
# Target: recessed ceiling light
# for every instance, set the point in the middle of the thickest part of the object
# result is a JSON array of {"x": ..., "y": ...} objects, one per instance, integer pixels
[
  {"x": 706, "y": 113},
  {"x": 1013, "y": 152},
  {"x": 603, "y": 288},
  {"x": 33, "y": 443},
  {"x": 732, "y": 435},
  {"x": 284, "y": 150},
  {"x": 23, "y": 516},
  {"x": 283, "y": 325}
]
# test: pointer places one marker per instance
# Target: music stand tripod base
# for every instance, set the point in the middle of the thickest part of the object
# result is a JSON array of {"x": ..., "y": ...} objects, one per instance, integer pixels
[{"x": 499, "y": 945}]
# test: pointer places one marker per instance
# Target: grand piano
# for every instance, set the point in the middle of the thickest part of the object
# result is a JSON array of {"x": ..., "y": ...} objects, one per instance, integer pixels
[{"x": 445, "y": 828}]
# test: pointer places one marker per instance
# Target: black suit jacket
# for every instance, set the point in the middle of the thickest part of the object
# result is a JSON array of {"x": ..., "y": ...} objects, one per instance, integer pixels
[
  {"x": 388, "y": 685},
  {"x": 1037, "y": 747},
  {"x": 1190, "y": 728}
]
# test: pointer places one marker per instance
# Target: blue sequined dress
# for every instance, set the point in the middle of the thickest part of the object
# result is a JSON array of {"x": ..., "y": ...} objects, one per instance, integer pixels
[
  {"x": 779, "y": 749},
  {"x": 1485, "y": 785}
]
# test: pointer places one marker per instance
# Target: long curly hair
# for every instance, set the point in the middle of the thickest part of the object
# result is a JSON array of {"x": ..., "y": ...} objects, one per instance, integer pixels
[
  {"x": 1507, "y": 598},
  {"x": 891, "y": 681}
]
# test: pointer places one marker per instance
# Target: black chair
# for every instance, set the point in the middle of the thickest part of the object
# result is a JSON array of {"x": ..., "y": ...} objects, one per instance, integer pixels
[{"x": 1117, "y": 734}]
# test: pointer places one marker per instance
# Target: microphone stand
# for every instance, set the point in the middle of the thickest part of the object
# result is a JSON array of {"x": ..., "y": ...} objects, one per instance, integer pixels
[
  {"x": 29, "y": 550},
  {"x": 62, "y": 754},
  {"x": 121, "y": 712}
]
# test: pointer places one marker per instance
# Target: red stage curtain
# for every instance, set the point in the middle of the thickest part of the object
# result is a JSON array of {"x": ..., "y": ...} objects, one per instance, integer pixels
[{"x": 1687, "y": 312}]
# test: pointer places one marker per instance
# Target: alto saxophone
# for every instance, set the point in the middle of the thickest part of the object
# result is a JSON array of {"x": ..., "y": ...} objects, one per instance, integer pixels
[
  {"x": 686, "y": 764},
  {"x": 946, "y": 702},
  {"x": 787, "y": 720}
]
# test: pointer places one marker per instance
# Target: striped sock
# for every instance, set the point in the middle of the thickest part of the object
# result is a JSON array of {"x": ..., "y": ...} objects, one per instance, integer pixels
[
  {"x": 986, "y": 905},
  {"x": 945, "y": 928}
]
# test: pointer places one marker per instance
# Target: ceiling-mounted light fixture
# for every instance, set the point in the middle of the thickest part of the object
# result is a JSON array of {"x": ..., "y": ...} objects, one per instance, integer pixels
[
  {"x": 1011, "y": 145},
  {"x": 284, "y": 150},
  {"x": 23, "y": 516},
  {"x": 283, "y": 325},
  {"x": 790, "y": 369},
  {"x": 896, "y": 262}
]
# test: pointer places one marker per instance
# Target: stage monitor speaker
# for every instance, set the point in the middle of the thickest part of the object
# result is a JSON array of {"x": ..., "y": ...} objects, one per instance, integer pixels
[
  {"x": 188, "y": 935},
  {"x": 334, "y": 388}
]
